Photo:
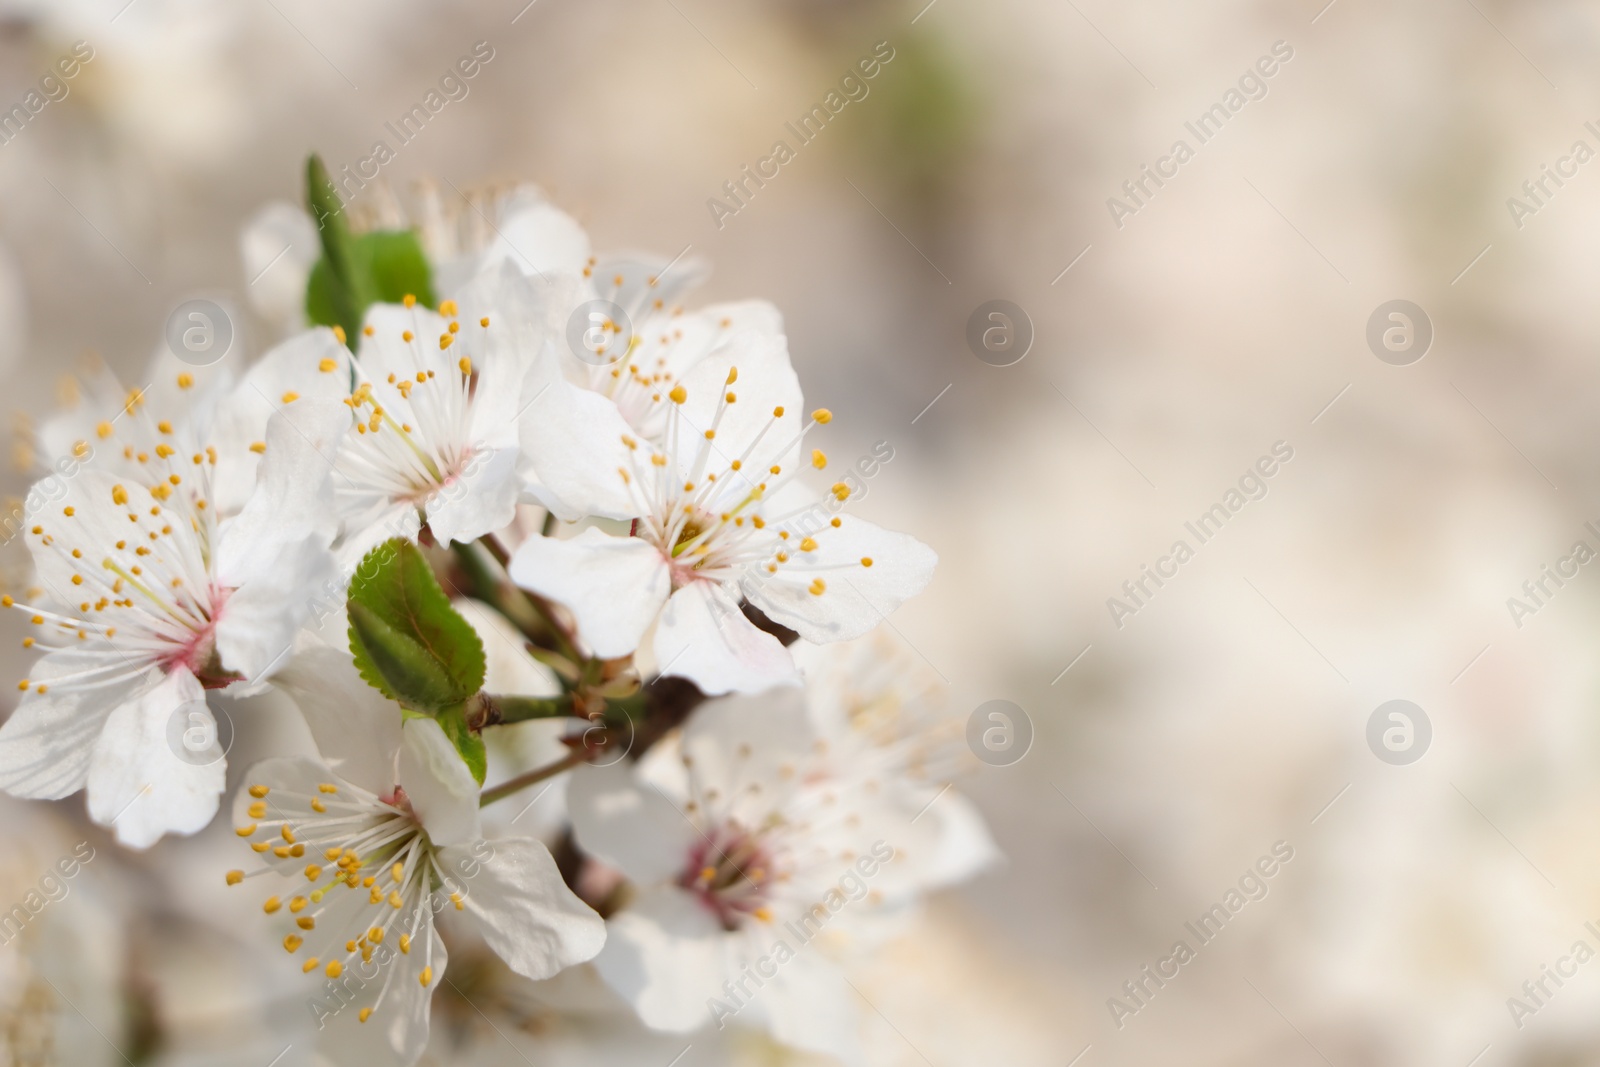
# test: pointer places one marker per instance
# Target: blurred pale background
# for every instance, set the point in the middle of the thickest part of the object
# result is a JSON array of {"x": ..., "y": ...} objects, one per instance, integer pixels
[{"x": 1221, "y": 318}]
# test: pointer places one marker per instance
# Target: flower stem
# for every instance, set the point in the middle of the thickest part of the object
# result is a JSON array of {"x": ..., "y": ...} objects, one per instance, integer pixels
[
  {"x": 521, "y": 709},
  {"x": 538, "y": 774}
]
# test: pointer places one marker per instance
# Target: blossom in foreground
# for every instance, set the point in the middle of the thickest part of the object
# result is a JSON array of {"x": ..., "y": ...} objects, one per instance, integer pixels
[
  {"x": 722, "y": 517},
  {"x": 147, "y": 597},
  {"x": 378, "y": 849},
  {"x": 751, "y": 872}
]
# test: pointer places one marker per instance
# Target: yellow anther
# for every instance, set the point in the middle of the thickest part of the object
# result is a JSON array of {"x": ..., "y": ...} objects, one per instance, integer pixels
[
  {"x": 235, "y": 877},
  {"x": 338, "y": 333},
  {"x": 409, "y": 300},
  {"x": 328, "y": 363},
  {"x": 448, "y": 309},
  {"x": 258, "y": 810},
  {"x": 405, "y": 944},
  {"x": 313, "y": 872},
  {"x": 271, "y": 905},
  {"x": 318, "y": 806},
  {"x": 281, "y": 851},
  {"x": 306, "y": 922},
  {"x": 292, "y": 943},
  {"x": 455, "y": 898},
  {"x": 808, "y": 544},
  {"x": 246, "y": 831},
  {"x": 818, "y": 587},
  {"x": 841, "y": 490},
  {"x": 777, "y": 412},
  {"x": 834, "y": 522},
  {"x": 288, "y": 834},
  {"x": 290, "y": 397},
  {"x": 406, "y": 335},
  {"x": 394, "y": 899},
  {"x": 679, "y": 394},
  {"x": 823, "y": 416},
  {"x": 397, "y": 872},
  {"x": 426, "y": 977},
  {"x": 484, "y": 322},
  {"x": 327, "y": 787},
  {"x": 309, "y": 965},
  {"x": 364, "y": 1014},
  {"x": 764, "y": 914},
  {"x": 260, "y": 846},
  {"x": 866, "y": 561},
  {"x": 733, "y": 375},
  {"x": 298, "y": 904},
  {"x": 375, "y": 935},
  {"x": 334, "y": 969},
  {"x": 258, "y": 447},
  {"x": 69, "y": 512},
  {"x": 103, "y": 430},
  {"x": 819, "y": 459},
  {"x": 465, "y": 364},
  {"x": 185, "y": 380}
]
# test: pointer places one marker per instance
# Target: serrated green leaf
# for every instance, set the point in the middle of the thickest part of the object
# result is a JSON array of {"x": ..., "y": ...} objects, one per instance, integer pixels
[
  {"x": 408, "y": 642},
  {"x": 469, "y": 744},
  {"x": 357, "y": 271},
  {"x": 394, "y": 664}
]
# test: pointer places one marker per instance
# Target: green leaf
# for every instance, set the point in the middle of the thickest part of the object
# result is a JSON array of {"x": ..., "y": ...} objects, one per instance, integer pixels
[
  {"x": 397, "y": 666},
  {"x": 357, "y": 271},
  {"x": 469, "y": 744},
  {"x": 407, "y": 641}
]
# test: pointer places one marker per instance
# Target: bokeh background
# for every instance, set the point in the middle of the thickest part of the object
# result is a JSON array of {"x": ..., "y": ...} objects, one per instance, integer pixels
[{"x": 1229, "y": 313}]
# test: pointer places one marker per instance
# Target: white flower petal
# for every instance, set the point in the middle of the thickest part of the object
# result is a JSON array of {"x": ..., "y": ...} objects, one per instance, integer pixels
[
  {"x": 629, "y": 824},
  {"x": 614, "y": 586},
  {"x": 46, "y": 744},
  {"x": 293, "y": 368},
  {"x": 855, "y": 597},
  {"x": 666, "y": 956},
  {"x": 479, "y": 500},
  {"x": 438, "y": 783},
  {"x": 573, "y": 442},
  {"x": 385, "y": 351},
  {"x": 292, "y": 504},
  {"x": 523, "y": 908},
  {"x": 256, "y": 630},
  {"x": 704, "y": 637},
  {"x": 356, "y": 728},
  {"x": 539, "y": 239},
  {"x": 766, "y": 381},
  {"x": 809, "y": 1005},
  {"x": 138, "y": 784}
]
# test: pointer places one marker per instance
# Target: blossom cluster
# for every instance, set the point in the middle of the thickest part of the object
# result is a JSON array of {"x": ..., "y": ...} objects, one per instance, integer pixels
[{"x": 622, "y": 522}]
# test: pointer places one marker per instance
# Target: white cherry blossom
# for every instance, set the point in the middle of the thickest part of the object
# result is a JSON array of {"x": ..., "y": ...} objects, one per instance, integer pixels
[
  {"x": 720, "y": 518},
  {"x": 379, "y": 846},
  {"x": 752, "y": 866},
  {"x": 147, "y": 595}
]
